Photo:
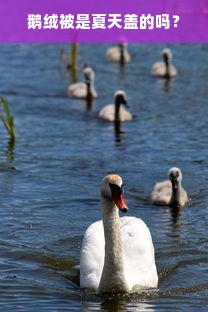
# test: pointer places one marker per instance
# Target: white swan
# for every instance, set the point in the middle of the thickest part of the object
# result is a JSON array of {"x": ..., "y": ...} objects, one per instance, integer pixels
[
  {"x": 170, "y": 192},
  {"x": 81, "y": 89},
  {"x": 118, "y": 54},
  {"x": 165, "y": 69},
  {"x": 117, "y": 254},
  {"x": 116, "y": 112}
]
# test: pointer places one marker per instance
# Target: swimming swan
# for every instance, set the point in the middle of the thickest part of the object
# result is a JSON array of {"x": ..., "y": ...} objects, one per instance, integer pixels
[
  {"x": 117, "y": 254},
  {"x": 170, "y": 192},
  {"x": 118, "y": 54},
  {"x": 116, "y": 112},
  {"x": 81, "y": 89},
  {"x": 165, "y": 69}
]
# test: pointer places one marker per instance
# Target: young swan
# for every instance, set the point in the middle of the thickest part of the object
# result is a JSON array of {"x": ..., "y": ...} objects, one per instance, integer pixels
[
  {"x": 84, "y": 90},
  {"x": 165, "y": 69},
  {"x": 117, "y": 254},
  {"x": 170, "y": 192},
  {"x": 118, "y": 54},
  {"x": 116, "y": 112}
]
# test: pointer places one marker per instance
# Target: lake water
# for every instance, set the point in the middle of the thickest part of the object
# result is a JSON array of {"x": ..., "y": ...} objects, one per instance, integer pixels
[{"x": 49, "y": 186}]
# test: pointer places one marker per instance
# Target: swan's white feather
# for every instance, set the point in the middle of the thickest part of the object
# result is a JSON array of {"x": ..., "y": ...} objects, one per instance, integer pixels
[
  {"x": 108, "y": 113},
  {"x": 78, "y": 90},
  {"x": 161, "y": 193},
  {"x": 92, "y": 256},
  {"x": 113, "y": 54},
  {"x": 159, "y": 69},
  {"x": 138, "y": 255},
  {"x": 139, "y": 260}
]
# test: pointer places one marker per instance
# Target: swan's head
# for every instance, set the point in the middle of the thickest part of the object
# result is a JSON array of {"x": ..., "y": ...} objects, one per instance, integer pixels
[
  {"x": 123, "y": 45},
  {"x": 175, "y": 176},
  {"x": 112, "y": 187},
  {"x": 167, "y": 56},
  {"x": 88, "y": 74},
  {"x": 120, "y": 97}
]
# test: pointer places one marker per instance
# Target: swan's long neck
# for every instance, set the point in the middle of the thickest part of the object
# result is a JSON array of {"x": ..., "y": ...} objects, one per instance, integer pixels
[
  {"x": 176, "y": 194},
  {"x": 117, "y": 109},
  {"x": 90, "y": 87},
  {"x": 167, "y": 70},
  {"x": 89, "y": 97},
  {"x": 122, "y": 51},
  {"x": 167, "y": 61},
  {"x": 112, "y": 279}
]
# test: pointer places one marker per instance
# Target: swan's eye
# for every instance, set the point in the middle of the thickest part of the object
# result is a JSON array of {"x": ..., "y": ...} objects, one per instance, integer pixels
[{"x": 116, "y": 188}]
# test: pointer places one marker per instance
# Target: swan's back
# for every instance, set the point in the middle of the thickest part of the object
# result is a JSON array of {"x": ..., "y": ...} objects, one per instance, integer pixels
[
  {"x": 92, "y": 256},
  {"x": 183, "y": 198},
  {"x": 170, "y": 192},
  {"x": 138, "y": 255},
  {"x": 159, "y": 69},
  {"x": 165, "y": 69},
  {"x": 77, "y": 90},
  {"x": 139, "y": 259},
  {"x": 114, "y": 55},
  {"x": 108, "y": 113},
  {"x": 161, "y": 193}
]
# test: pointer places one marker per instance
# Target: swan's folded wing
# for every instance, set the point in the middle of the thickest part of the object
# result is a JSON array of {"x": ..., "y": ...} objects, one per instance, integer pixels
[
  {"x": 184, "y": 197},
  {"x": 92, "y": 256},
  {"x": 108, "y": 112},
  {"x": 158, "y": 69},
  {"x": 139, "y": 258},
  {"x": 78, "y": 90},
  {"x": 113, "y": 54},
  {"x": 161, "y": 193},
  {"x": 124, "y": 114}
]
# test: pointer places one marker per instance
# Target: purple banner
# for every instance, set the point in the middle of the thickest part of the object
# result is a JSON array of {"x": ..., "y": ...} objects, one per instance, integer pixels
[{"x": 104, "y": 21}]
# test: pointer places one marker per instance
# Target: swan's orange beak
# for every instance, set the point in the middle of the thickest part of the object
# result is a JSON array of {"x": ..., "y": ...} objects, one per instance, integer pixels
[{"x": 117, "y": 195}]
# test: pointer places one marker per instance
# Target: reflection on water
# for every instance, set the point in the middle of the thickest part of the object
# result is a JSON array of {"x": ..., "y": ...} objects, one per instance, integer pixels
[
  {"x": 175, "y": 214},
  {"x": 167, "y": 85},
  {"x": 61, "y": 155},
  {"x": 10, "y": 152},
  {"x": 89, "y": 102},
  {"x": 127, "y": 303},
  {"x": 118, "y": 130},
  {"x": 118, "y": 303}
]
